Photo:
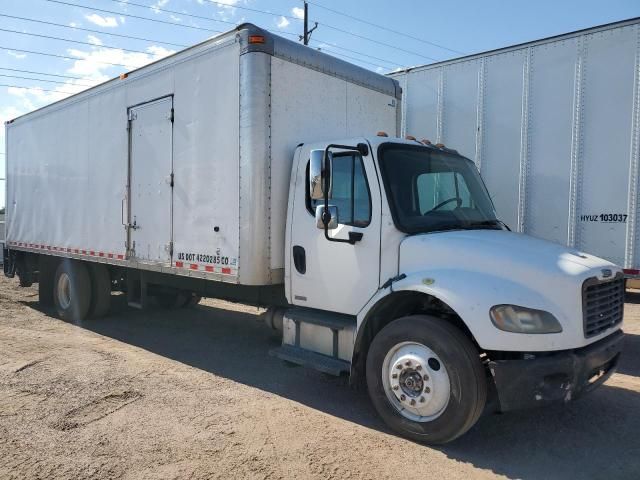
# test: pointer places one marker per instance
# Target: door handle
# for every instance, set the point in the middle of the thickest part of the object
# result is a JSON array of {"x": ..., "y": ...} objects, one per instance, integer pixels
[{"x": 300, "y": 259}]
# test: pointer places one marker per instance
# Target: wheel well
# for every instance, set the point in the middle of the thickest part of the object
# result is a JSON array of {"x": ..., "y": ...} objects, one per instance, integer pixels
[{"x": 390, "y": 308}]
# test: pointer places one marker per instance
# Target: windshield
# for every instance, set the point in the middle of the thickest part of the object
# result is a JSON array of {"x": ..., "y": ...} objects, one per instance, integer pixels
[{"x": 431, "y": 190}]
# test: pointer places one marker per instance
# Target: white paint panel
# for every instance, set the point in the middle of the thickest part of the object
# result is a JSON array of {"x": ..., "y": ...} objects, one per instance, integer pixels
[
  {"x": 501, "y": 137},
  {"x": 68, "y": 162},
  {"x": 460, "y": 107},
  {"x": 206, "y": 153},
  {"x": 342, "y": 110},
  {"x": 607, "y": 113},
  {"x": 421, "y": 115},
  {"x": 150, "y": 181},
  {"x": 551, "y": 93}
]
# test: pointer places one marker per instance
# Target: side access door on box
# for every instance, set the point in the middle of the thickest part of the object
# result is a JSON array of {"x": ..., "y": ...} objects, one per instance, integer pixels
[{"x": 150, "y": 189}]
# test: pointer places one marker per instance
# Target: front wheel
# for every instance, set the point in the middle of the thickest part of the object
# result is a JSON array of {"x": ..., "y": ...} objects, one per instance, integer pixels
[{"x": 425, "y": 379}]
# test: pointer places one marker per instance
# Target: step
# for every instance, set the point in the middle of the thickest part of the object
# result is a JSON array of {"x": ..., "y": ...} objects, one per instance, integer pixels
[
  {"x": 307, "y": 358},
  {"x": 334, "y": 321}
]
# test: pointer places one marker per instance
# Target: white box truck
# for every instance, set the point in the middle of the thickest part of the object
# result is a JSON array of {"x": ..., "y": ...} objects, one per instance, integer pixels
[
  {"x": 554, "y": 128},
  {"x": 247, "y": 168}
]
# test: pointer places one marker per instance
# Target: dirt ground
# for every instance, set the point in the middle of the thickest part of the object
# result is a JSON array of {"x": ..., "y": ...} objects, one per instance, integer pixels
[{"x": 194, "y": 394}]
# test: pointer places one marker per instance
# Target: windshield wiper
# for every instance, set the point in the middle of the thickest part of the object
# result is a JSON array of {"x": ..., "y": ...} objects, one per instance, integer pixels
[{"x": 488, "y": 223}]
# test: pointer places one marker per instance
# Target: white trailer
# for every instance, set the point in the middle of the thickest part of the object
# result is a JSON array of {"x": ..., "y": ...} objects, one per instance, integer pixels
[
  {"x": 554, "y": 127},
  {"x": 246, "y": 168}
]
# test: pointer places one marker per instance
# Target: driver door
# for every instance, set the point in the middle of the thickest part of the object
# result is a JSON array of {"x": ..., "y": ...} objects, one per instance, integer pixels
[{"x": 334, "y": 276}]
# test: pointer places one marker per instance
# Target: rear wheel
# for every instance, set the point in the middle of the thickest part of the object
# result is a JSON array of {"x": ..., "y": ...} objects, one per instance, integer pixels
[
  {"x": 425, "y": 379},
  {"x": 72, "y": 290},
  {"x": 100, "y": 290}
]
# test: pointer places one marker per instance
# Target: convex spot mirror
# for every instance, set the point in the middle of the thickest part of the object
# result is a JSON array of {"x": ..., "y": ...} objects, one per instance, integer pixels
[
  {"x": 332, "y": 222},
  {"x": 320, "y": 174}
]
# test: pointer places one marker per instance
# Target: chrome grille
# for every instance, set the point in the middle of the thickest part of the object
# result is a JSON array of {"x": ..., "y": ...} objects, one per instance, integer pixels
[{"x": 602, "y": 304}]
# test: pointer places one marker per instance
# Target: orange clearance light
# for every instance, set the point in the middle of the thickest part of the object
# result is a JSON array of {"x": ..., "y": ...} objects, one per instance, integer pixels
[
  {"x": 439, "y": 145},
  {"x": 123, "y": 76},
  {"x": 382, "y": 134},
  {"x": 409, "y": 137},
  {"x": 425, "y": 141},
  {"x": 256, "y": 38}
]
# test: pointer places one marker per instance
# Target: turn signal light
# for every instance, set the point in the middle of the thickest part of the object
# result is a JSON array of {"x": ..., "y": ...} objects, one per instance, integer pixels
[
  {"x": 256, "y": 38},
  {"x": 382, "y": 134}
]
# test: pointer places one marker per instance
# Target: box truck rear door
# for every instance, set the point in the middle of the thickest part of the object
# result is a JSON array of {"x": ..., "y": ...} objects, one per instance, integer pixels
[{"x": 149, "y": 232}]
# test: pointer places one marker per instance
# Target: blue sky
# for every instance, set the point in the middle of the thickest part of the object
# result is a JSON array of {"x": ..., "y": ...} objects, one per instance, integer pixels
[{"x": 433, "y": 31}]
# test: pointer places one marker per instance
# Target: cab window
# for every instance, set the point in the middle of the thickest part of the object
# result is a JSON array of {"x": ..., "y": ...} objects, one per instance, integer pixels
[{"x": 350, "y": 191}]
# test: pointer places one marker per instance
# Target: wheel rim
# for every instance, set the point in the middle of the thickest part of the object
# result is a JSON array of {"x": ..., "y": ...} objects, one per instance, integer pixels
[
  {"x": 416, "y": 381},
  {"x": 64, "y": 291}
]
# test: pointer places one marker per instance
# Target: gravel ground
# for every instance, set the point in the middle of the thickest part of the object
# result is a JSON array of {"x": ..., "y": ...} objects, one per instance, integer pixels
[{"x": 194, "y": 394}]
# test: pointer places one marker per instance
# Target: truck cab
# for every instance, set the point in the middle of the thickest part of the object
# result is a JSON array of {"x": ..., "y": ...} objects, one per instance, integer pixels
[{"x": 400, "y": 273}]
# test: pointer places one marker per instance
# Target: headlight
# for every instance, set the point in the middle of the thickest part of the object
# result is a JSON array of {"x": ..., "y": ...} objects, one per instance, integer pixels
[{"x": 512, "y": 318}]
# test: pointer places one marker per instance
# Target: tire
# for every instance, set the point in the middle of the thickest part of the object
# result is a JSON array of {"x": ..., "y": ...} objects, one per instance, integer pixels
[
  {"x": 100, "y": 290},
  {"x": 46, "y": 274},
  {"x": 72, "y": 290},
  {"x": 448, "y": 393}
]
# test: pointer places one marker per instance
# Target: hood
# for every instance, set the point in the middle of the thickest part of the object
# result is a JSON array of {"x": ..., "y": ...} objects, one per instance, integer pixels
[{"x": 498, "y": 253}]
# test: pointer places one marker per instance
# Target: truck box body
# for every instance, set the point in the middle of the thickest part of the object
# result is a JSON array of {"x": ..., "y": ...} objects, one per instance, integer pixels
[
  {"x": 553, "y": 126},
  {"x": 183, "y": 166}
]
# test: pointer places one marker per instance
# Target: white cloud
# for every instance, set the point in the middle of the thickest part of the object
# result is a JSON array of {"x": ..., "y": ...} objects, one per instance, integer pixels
[
  {"x": 158, "y": 5},
  {"x": 283, "y": 23},
  {"x": 17, "y": 55},
  {"x": 102, "y": 21},
  {"x": 73, "y": 24},
  {"x": 175, "y": 18},
  {"x": 298, "y": 12},
  {"x": 94, "y": 40}
]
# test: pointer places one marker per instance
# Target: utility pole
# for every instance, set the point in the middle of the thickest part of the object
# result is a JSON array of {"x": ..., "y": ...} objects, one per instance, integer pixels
[{"x": 307, "y": 33}]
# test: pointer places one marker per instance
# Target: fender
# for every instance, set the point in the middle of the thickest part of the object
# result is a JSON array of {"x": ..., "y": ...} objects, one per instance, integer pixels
[{"x": 472, "y": 294}]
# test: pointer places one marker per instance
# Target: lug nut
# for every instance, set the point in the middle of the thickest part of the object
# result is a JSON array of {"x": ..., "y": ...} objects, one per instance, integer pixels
[
  {"x": 419, "y": 367},
  {"x": 426, "y": 377},
  {"x": 394, "y": 375},
  {"x": 408, "y": 363},
  {"x": 399, "y": 367},
  {"x": 413, "y": 402},
  {"x": 427, "y": 390},
  {"x": 395, "y": 387},
  {"x": 403, "y": 398},
  {"x": 422, "y": 400}
]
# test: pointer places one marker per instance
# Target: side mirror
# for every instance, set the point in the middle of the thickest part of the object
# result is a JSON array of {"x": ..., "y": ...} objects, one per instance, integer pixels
[
  {"x": 319, "y": 174},
  {"x": 332, "y": 221}
]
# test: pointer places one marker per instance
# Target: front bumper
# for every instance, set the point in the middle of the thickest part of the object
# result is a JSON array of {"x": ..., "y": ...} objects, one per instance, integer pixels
[{"x": 559, "y": 377}]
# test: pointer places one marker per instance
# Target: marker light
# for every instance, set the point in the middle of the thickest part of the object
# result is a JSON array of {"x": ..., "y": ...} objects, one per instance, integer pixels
[
  {"x": 409, "y": 137},
  {"x": 256, "y": 38},
  {"x": 123, "y": 76},
  {"x": 425, "y": 141},
  {"x": 439, "y": 145},
  {"x": 382, "y": 134}
]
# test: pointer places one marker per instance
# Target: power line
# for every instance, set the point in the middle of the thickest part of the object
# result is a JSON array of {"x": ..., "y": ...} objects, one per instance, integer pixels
[
  {"x": 386, "y": 28},
  {"x": 255, "y": 10},
  {"x": 43, "y": 73},
  {"x": 356, "y": 52},
  {"x": 156, "y": 20},
  {"x": 37, "y": 88},
  {"x": 93, "y": 31},
  {"x": 64, "y": 56},
  {"x": 374, "y": 41},
  {"x": 174, "y": 12},
  {"x": 72, "y": 41},
  {"x": 334, "y": 53},
  {"x": 43, "y": 80}
]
